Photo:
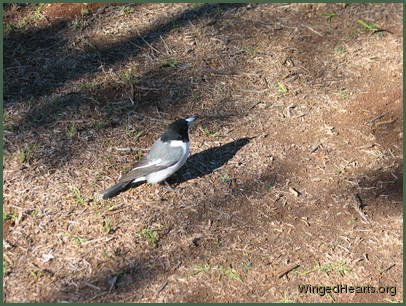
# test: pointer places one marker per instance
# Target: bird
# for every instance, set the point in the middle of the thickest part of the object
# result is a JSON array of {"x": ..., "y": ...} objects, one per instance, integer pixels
[{"x": 167, "y": 155}]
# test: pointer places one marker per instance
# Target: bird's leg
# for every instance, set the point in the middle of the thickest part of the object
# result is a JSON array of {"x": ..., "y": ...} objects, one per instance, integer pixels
[{"x": 165, "y": 182}]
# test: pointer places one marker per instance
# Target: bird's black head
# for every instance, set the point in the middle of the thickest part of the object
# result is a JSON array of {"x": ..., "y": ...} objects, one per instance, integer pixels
[{"x": 178, "y": 130}]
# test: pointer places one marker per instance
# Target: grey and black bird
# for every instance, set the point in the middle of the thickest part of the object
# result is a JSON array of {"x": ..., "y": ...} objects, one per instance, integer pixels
[{"x": 167, "y": 155}]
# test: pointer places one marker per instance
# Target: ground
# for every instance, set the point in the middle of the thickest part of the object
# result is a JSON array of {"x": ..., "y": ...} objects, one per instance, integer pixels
[{"x": 295, "y": 173}]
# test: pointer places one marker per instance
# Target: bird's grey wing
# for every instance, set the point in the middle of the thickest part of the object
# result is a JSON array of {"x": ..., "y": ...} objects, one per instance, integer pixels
[
  {"x": 153, "y": 163},
  {"x": 163, "y": 150}
]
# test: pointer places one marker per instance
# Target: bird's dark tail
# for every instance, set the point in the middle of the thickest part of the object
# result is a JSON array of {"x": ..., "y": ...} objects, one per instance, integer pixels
[{"x": 115, "y": 190}]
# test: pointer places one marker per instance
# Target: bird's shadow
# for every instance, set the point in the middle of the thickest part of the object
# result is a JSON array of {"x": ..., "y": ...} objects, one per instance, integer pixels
[{"x": 207, "y": 161}]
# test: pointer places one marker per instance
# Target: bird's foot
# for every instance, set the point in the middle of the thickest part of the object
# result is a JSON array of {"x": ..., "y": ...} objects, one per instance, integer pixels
[{"x": 169, "y": 186}]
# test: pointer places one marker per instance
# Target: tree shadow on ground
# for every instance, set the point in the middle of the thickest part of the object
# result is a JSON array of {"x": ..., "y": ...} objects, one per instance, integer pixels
[
  {"x": 158, "y": 90},
  {"x": 379, "y": 192},
  {"x": 24, "y": 49}
]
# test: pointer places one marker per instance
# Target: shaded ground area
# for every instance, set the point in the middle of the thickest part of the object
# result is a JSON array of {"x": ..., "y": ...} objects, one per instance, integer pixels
[{"x": 295, "y": 174}]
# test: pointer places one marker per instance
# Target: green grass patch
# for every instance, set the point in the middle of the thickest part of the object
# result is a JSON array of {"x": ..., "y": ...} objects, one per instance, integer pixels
[
  {"x": 151, "y": 236},
  {"x": 351, "y": 221},
  {"x": 196, "y": 96},
  {"x": 71, "y": 130},
  {"x": 221, "y": 272},
  {"x": 77, "y": 196},
  {"x": 25, "y": 155},
  {"x": 246, "y": 266},
  {"x": 34, "y": 274},
  {"x": 201, "y": 268},
  {"x": 139, "y": 155},
  {"x": 339, "y": 51},
  {"x": 101, "y": 124},
  {"x": 8, "y": 123},
  {"x": 368, "y": 26},
  {"x": 345, "y": 93},
  {"x": 250, "y": 51},
  {"x": 231, "y": 273},
  {"x": 35, "y": 212},
  {"x": 269, "y": 184},
  {"x": 136, "y": 135},
  {"x": 107, "y": 226},
  {"x": 170, "y": 63},
  {"x": 285, "y": 299},
  {"x": 114, "y": 207},
  {"x": 77, "y": 24},
  {"x": 34, "y": 16},
  {"x": 281, "y": 88},
  {"x": 392, "y": 301},
  {"x": 340, "y": 267},
  {"x": 79, "y": 240},
  {"x": 225, "y": 178},
  {"x": 88, "y": 86},
  {"x": 10, "y": 216},
  {"x": 85, "y": 11},
  {"x": 126, "y": 10},
  {"x": 329, "y": 15},
  {"x": 129, "y": 77},
  {"x": 210, "y": 134},
  {"x": 6, "y": 269}
]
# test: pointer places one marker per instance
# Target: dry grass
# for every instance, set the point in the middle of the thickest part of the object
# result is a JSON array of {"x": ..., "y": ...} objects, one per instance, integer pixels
[{"x": 298, "y": 115}]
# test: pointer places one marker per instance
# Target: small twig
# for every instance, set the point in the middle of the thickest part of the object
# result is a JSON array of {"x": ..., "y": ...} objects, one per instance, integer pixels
[
  {"x": 380, "y": 30},
  {"x": 288, "y": 113},
  {"x": 163, "y": 286},
  {"x": 131, "y": 149},
  {"x": 295, "y": 192},
  {"x": 299, "y": 116},
  {"x": 314, "y": 31},
  {"x": 132, "y": 94},
  {"x": 146, "y": 88},
  {"x": 286, "y": 270},
  {"x": 96, "y": 240},
  {"x": 73, "y": 121},
  {"x": 359, "y": 200},
  {"x": 221, "y": 72},
  {"x": 285, "y": 26},
  {"x": 148, "y": 44},
  {"x": 388, "y": 268},
  {"x": 92, "y": 286},
  {"x": 376, "y": 118},
  {"x": 166, "y": 45},
  {"x": 255, "y": 104},
  {"x": 142, "y": 116},
  {"x": 358, "y": 208},
  {"x": 113, "y": 282},
  {"x": 385, "y": 122},
  {"x": 254, "y": 90},
  {"x": 315, "y": 147}
]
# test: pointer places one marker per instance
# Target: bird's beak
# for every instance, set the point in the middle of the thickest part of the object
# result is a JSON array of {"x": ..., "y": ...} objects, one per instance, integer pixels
[{"x": 190, "y": 120}]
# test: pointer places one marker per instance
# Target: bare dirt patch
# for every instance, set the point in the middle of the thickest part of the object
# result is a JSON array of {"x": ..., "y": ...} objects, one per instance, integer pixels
[
  {"x": 295, "y": 175},
  {"x": 71, "y": 10}
]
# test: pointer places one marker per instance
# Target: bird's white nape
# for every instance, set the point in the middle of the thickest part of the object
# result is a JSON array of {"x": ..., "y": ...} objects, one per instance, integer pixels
[
  {"x": 190, "y": 119},
  {"x": 177, "y": 143}
]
